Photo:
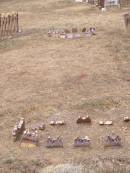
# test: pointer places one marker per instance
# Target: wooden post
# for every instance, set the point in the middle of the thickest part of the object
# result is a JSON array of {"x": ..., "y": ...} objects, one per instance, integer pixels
[
  {"x": 0, "y": 26},
  {"x": 13, "y": 26},
  {"x": 4, "y": 35},
  {"x": 102, "y": 3},
  {"x": 6, "y": 26},
  {"x": 3, "y": 26},
  {"x": 9, "y": 26},
  {"x": 17, "y": 22}
]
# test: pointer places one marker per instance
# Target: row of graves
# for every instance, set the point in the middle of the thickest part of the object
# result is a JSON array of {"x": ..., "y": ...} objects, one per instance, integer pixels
[
  {"x": 87, "y": 1},
  {"x": 29, "y": 137},
  {"x": 106, "y": 3},
  {"x": 73, "y": 33},
  {"x": 9, "y": 27}
]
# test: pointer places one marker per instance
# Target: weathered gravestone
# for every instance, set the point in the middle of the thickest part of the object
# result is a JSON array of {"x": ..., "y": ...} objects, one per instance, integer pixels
[
  {"x": 82, "y": 142},
  {"x": 54, "y": 142}
]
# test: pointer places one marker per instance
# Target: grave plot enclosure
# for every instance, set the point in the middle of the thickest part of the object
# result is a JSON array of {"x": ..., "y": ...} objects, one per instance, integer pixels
[
  {"x": 9, "y": 25},
  {"x": 112, "y": 3},
  {"x": 125, "y": 3}
]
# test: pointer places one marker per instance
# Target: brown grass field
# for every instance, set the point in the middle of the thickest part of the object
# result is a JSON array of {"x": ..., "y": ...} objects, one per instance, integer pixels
[{"x": 42, "y": 78}]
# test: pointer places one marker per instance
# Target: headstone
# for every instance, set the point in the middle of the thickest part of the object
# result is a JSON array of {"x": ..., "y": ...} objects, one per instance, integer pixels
[
  {"x": 105, "y": 122},
  {"x": 86, "y": 119},
  {"x": 29, "y": 139},
  {"x": 127, "y": 119},
  {"x": 113, "y": 141},
  {"x": 54, "y": 142},
  {"x": 82, "y": 142},
  {"x": 40, "y": 126},
  {"x": 18, "y": 129},
  {"x": 57, "y": 123}
]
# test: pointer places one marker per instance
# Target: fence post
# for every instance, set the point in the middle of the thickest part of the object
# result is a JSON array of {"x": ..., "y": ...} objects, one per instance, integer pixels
[
  {"x": 3, "y": 26},
  {"x": 0, "y": 26},
  {"x": 17, "y": 21},
  {"x": 9, "y": 25},
  {"x": 6, "y": 26}
]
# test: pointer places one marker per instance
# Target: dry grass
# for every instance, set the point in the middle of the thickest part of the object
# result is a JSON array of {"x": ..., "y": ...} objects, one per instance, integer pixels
[
  {"x": 42, "y": 77},
  {"x": 99, "y": 168}
]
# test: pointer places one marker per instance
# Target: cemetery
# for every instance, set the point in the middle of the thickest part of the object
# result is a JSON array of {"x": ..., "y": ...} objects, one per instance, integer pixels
[{"x": 65, "y": 86}]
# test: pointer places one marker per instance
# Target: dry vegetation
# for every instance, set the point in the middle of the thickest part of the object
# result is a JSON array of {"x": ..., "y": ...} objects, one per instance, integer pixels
[{"x": 43, "y": 77}]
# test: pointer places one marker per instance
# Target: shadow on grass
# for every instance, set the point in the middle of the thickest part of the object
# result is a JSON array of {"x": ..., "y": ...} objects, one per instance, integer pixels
[{"x": 105, "y": 103}]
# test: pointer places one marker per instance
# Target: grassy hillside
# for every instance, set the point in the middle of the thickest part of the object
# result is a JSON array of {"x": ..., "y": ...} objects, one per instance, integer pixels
[{"x": 42, "y": 78}]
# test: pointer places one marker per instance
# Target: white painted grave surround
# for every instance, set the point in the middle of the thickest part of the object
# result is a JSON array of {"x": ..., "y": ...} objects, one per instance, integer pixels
[
  {"x": 111, "y": 2},
  {"x": 80, "y": 0}
]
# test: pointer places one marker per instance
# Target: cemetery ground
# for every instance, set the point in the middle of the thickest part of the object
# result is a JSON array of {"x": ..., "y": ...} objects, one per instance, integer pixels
[{"x": 42, "y": 78}]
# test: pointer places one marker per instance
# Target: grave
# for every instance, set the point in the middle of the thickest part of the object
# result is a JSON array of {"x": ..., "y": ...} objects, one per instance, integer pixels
[
  {"x": 74, "y": 33},
  {"x": 18, "y": 129},
  {"x": 105, "y": 122},
  {"x": 113, "y": 141},
  {"x": 126, "y": 119},
  {"x": 82, "y": 142},
  {"x": 82, "y": 120},
  {"x": 29, "y": 139},
  {"x": 57, "y": 123},
  {"x": 40, "y": 126},
  {"x": 80, "y": 1},
  {"x": 54, "y": 142}
]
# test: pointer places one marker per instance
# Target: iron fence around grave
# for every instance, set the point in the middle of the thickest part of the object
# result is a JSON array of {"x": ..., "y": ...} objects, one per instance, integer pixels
[
  {"x": 9, "y": 25},
  {"x": 112, "y": 3},
  {"x": 125, "y": 3},
  {"x": 92, "y": 2}
]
